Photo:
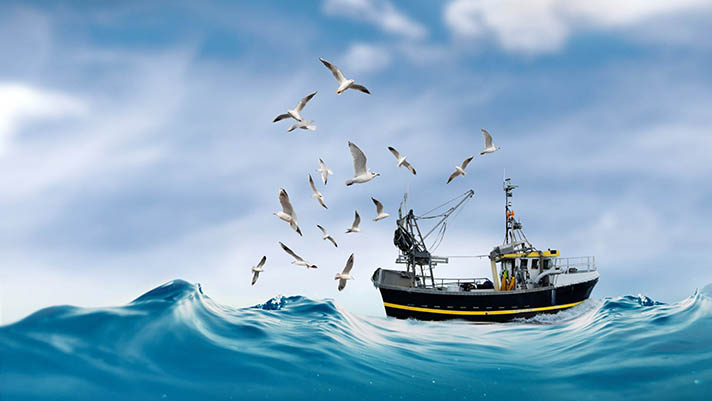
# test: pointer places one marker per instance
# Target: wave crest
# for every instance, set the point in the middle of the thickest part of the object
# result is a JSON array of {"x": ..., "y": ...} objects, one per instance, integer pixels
[{"x": 175, "y": 340}]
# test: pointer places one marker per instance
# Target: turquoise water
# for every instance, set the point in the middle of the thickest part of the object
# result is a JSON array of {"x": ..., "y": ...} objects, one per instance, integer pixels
[{"x": 174, "y": 342}]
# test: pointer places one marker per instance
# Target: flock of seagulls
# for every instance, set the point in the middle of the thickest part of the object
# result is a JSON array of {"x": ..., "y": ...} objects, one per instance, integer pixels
[{"x": 362, "y": 175}]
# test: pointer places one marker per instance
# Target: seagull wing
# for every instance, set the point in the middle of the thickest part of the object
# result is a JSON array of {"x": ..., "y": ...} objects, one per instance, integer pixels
[
  {"x": 342, "y": 284},
  {"x": 304, "y": 101},
  {"x": 313, "y": 187},
  {"x": 281, "y": 117},
  {"x": 357, "y": 220},
  {"x": 323, "y": 230},
  {"x": 286, "y": 205},
  {"x": 334, "y": 70},
  {"x": 359, "y": 160},
  {"x": 321, "y": 202},
  {"x": 409, "y": 167},
  {"x": 262, "y": 262},
  {"x": 452, "y": 176},
  {"x": 308, "y": 125},
  {"x": 488, "y": 138},
  {"x": 293, "y": 127},
  {"x": 466, "y": 162},
  {"x": 324, "y": 171},
  {"x": 349, "y": 265},
  {"x": 359, "y": 88},
  {"x": 255, "y": 275},
  {"x": 379, "y": 206},
  {"x": 395, "y": 152},
  {"x": 330, "y": 238},
  {"x": 289, "y": 251}
]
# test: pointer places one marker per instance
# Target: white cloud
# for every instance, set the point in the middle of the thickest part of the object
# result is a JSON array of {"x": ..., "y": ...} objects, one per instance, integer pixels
[
  {"x": 365, "y": 58},
  {"x": 21, "y": 103},
  {"x": 378, "y": 12},
  {"x": 542, "y": 26}
]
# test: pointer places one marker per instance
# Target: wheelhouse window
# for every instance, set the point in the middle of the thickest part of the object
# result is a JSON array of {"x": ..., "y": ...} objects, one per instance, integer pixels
[
  {"x": 535, "y": 263},
  {"x": 523, "y": 263},
  {"x": 547, "y": 264}
]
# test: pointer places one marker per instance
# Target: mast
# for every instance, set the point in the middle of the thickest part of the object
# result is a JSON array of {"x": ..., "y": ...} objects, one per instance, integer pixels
[
  {"x": 509, "y": 213},
  {"x": 512, "y": 227}
]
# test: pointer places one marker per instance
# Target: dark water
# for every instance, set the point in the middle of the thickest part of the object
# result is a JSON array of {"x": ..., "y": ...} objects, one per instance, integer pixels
[{"x": 174, "y": 342}]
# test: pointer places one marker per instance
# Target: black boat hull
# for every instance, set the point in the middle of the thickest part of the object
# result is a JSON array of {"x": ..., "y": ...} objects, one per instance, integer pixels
[{"x": 490, "y": 306}]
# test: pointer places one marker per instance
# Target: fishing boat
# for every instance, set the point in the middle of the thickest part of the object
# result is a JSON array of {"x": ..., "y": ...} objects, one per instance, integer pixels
[{"x": 525, "y": 280}]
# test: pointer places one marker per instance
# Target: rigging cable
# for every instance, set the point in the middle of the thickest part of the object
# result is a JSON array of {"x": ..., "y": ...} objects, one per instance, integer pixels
[
  {"x": 441, "y": 233},
  {"x": 425, "y": 215}
]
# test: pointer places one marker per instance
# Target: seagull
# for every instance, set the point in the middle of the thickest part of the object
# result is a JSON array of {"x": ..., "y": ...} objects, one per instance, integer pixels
[
  {"x": 294, "y": 113},
  {"x": 401, "y": 160},
  {"x": 256, "y": 270},
  {"x": 489, "y": 148},
  {"x": 325, "y": 172},
  {"x": 343, "y": 82},
  {"x": 303, "y": 125},
  {"x": 354, "y": 227},
  {"x": 361, "y": 173},
  {"x": 316, "y": 194},
  {"x": 346, "y": 274},
  {"x": 379, "y": 210},
  {"x": 287, "y": 214},
  {"x": 327, "y": 236},
  {"x": 298, "y": 260},
  {"x": 459, "y": 170}
]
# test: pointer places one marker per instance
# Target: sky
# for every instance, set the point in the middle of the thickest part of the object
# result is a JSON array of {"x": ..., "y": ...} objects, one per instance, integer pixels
[{"x": 137, "y": 143}]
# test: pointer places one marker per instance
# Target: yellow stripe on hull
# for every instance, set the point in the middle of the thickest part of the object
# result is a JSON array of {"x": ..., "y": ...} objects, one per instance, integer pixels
[{"x": 493, "y": 312}]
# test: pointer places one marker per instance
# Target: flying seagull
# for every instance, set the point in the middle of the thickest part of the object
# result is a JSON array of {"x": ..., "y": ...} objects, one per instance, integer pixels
[
  {"x": 343, "y": 82},
  {"x": 316, "y": 194},
  {"x": 354, "y": 227},
  {"x": 401, "y": 160},
  {"x": 459, "y": 170},
  {"x": 361, "y": 172},
  {"x": 297, "y": 260},
  {"x": 489, "y": 148},
  {"x": 303, "y": 125},
  {"x": 287, "y": 214},
  {"x": 325, "y": 172},
  {"x": 346, "y": 274},
  {"x": 294, "y": 113},
  {"x": 256, "y": 270},
  {"x": 379, "y": 210},
  {"x": 326, "y": 235}
]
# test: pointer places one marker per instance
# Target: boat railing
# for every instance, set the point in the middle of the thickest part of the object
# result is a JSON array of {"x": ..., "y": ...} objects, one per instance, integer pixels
[
  {"x": 448, "y": 282},
  {"x": 435, "y": 260},
  {"x": 579, "y": 263}
]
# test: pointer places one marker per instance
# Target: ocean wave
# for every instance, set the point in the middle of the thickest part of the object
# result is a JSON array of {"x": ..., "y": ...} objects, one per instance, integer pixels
[{"x": 174, "y": 342}]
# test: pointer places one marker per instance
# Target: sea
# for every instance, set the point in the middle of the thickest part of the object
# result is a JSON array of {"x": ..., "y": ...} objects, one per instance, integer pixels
[{"x": 176, "y": 343}]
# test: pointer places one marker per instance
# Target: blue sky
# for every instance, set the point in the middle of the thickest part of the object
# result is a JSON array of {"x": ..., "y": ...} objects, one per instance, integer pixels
[{"x": 136, "y": 143}]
